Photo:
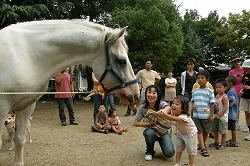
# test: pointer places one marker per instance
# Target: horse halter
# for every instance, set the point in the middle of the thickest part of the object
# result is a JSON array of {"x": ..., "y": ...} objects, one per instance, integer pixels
[{"x": 123, "y": 84}]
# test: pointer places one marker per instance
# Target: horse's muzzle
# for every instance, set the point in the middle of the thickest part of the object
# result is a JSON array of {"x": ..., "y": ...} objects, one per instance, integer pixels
[{"x": 132, "y": 99}]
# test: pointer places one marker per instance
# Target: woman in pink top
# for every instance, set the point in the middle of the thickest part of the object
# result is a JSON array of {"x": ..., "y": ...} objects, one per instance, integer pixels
[{"x": 237, "y": 72}]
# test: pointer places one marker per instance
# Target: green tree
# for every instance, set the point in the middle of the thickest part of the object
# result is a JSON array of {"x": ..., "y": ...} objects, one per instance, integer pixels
[
  {"x": 18, "y": 11},
  {"x": 204, "y": 29},
  {"x": 233, "y": 38},
  {"x": 98, "y": 10},
  {"x": 193, "y": 46},
  {"x": 154, "y": 32}
]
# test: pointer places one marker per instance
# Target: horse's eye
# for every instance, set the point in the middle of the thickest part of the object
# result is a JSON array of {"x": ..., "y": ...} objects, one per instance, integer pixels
[{"x": 121, "y": 61}]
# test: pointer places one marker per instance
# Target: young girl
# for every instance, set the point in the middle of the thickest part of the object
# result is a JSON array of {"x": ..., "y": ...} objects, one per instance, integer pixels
[
  {"x": 115, "y": 122},
  {"x": 186, "y": 129},
  {"x": 101, "y": 120}
]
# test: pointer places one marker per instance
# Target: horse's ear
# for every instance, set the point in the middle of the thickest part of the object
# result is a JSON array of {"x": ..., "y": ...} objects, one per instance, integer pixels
[{"x": 116, "y": 35}]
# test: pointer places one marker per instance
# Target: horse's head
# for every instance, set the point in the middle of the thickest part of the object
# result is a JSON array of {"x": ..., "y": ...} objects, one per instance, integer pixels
[{"x": 114, "y": 68}]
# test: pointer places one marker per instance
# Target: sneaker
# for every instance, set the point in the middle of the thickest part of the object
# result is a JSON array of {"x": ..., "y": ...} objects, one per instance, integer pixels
[
  {"x": 178, "y": 164},
  {"x": 127, "y": 115},
  {"x": 246, "y": 129},
  {"x": 148, "y": 157},
  {"x": 73, "y": 123},
  {"x": 63, "y": 123},
  {"x": 247, "y": 138},
  {"x": 134, "y": 112}
]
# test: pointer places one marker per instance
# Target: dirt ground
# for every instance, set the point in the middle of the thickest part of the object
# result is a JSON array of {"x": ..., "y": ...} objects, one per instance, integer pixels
[{"x": 56, "y": 145}]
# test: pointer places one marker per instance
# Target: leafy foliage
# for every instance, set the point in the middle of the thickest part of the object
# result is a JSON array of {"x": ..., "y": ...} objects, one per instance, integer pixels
[
  {"x": 156, "y": 29},
  {"x": 154, "y": 32},
  {"x": 234, "y": 37},
  {"x": 11, "y": 13}
]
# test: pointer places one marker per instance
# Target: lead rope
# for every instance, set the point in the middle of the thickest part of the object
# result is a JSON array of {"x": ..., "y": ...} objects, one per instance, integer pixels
[{"x": 37, "y": 93}]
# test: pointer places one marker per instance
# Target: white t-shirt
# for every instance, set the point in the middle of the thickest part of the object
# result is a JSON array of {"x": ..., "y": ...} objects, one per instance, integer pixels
[
  {"x": 170, "y": 80},
  {"x": 185, "y": 129}
]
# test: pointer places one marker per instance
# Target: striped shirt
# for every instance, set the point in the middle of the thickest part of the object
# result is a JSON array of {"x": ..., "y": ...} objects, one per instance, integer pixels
[{"x": 202, "y": 98}]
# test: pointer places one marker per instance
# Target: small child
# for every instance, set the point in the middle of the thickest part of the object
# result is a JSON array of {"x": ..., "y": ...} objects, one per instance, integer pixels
[
  {"x": 233, "y": 110},
  {"x": 220, "y": 123},
  {"x": 115, "y": 122},
  {"x": 186, "y": 129},
  {"x": 203, "y": 109},
  {"x": 101, "y": 120}
]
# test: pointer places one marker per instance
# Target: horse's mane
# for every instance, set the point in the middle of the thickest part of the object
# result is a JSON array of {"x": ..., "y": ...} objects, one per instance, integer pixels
[{"x": 43, "y": 24}]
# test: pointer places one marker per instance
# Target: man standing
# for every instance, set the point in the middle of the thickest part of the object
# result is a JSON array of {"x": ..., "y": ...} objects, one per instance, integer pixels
[
  {"x": 147, "y": 77},
  {"x": 64, "y": 83}
]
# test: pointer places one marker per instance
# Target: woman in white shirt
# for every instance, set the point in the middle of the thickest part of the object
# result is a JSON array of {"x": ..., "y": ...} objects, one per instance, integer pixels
[{"x": 170, "y": 88}]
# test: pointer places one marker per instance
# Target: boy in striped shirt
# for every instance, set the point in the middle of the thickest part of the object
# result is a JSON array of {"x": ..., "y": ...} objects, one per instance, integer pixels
[{"x": 203, "y": 109}]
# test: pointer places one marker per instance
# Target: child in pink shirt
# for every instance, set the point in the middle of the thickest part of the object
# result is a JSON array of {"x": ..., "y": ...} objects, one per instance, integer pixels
[{"x": 115, "y": 122}]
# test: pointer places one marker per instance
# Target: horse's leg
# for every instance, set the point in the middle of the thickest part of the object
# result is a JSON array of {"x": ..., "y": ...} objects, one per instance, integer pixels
[
  {"x": 22, "y": 118},
  {"x": 28, "y": 127},
  {"x": 3, "y": 114}
]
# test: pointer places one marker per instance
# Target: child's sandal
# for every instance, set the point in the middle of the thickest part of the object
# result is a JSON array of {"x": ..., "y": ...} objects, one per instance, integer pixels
[
  {"x": 233, "y": 144},
  {"x": 204, "y": 153}
]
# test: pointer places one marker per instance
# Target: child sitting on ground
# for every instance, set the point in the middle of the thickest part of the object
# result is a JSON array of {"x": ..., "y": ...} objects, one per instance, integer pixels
[
  {"x": 186, "y": 129},
  {"x": 101, "y": 120},
  {"x": 115, "y": 122},
  {"x": 220, "y": 122},
  {"x": 233, "y": 110}
]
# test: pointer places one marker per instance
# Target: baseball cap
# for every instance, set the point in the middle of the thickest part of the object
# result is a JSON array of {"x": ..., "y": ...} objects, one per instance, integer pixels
[
  {"x": 235, "y": 58},
  {"x": 246, "y": 63}
]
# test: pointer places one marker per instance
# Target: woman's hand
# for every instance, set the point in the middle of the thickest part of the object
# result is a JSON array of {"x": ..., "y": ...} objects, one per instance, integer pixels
[
  {"x": 153, "y": 121},
  {"x": 158, "y": 114}
]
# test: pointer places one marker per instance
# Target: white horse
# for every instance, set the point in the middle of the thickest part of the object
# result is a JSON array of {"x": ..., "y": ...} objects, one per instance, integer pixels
[{"x": 32, "y": 52}]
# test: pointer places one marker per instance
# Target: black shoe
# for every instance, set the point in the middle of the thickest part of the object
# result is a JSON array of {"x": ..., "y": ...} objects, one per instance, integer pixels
[
  {"x": 93, "y": 129},
  {"x": 73, "y": 123},
  {"x": 127, "y": 115},
  {"x": 134, "y": 112},
  {"x": 63, "y": 123}
]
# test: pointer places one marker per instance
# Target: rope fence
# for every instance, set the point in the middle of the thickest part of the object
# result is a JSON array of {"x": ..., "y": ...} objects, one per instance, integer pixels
[{"x": 36, "y": 93}]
